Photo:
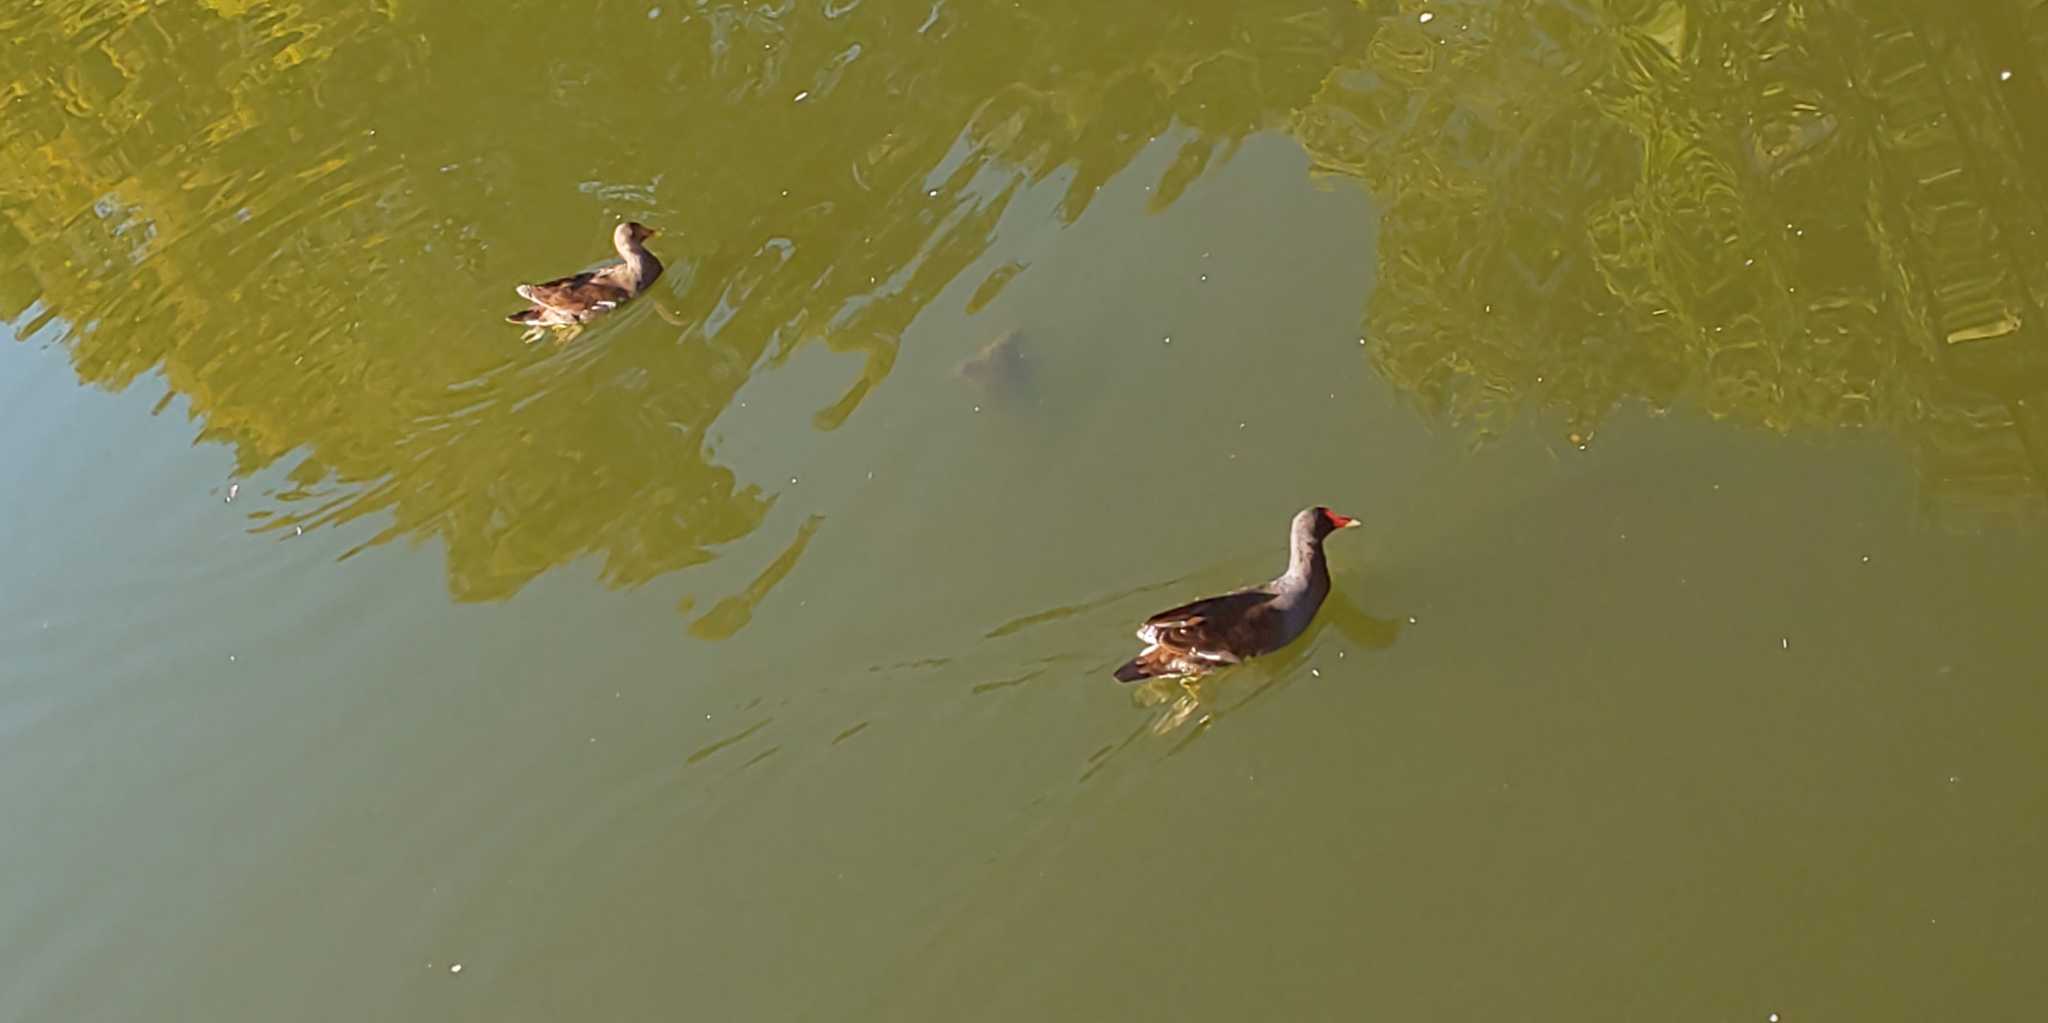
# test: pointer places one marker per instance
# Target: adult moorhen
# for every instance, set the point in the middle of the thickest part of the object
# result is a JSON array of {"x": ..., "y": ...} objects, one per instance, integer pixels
[{"x": 1196, "y": 638}]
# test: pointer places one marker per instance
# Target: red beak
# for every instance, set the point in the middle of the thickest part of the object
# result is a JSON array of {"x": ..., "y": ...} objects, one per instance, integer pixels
[{"x": 1339, "y": 521}]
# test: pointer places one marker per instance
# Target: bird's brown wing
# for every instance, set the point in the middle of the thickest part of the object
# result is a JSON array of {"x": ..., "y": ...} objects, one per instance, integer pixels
[
  {"x": 578, "y": 293},
  {"x": 1223, "y": 629}
]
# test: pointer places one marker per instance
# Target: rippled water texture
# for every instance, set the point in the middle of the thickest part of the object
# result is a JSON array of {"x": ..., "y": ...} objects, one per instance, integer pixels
[{"x": 746, "y": 657}]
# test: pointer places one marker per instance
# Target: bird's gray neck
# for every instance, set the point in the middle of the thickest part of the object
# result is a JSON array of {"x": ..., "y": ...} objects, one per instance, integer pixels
[
  {"x": 641, "y": 263},
  {"x": 644, "y": 264},
  {"x": 1307, "y": 571}
]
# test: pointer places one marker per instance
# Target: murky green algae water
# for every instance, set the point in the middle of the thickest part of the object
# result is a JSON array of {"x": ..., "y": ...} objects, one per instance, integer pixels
[{"x": 746, "y": 658}]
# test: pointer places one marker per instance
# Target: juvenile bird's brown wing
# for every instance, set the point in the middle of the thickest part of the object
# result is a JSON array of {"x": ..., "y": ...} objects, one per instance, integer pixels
[
  {"x": 597, "y": 289},
  {"x": 1223, "y": 629}
]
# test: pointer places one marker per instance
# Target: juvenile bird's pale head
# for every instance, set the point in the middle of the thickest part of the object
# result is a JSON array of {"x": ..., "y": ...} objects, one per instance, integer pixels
[{"x": 632, "y": 232}]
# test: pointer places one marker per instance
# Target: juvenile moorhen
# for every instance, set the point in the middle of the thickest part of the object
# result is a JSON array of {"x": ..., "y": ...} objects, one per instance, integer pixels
[{"x": 579, "y": 298}]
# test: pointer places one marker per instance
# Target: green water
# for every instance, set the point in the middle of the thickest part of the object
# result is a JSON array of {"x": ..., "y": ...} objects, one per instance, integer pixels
[{"x": 747, "y": 657}]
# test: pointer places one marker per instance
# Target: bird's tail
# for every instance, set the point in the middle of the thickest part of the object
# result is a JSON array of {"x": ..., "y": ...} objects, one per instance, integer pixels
[{"x": 1154, "y": 662}]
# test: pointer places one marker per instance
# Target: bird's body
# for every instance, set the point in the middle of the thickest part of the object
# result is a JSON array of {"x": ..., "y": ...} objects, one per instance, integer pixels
[
  {"x": 580, "y": 298},
  {"x": 1199, "y": 637}
]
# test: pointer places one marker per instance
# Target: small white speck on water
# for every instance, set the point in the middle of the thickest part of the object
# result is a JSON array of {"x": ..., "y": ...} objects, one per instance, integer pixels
[
  {"x": 801, "y": 96},
  {"x": 1784, "y": 643},
  {"x": 1774, "y": 1018},
  {"x": 593, "y": 738},
  {"x": 785, "y": 193},
  {"x": 1866, "y": 559},
  {"x": 1952, "y": 779},
  {"x": 298, "y": 531},
  {"x": 1749, "y": 262},
  {"x": 1340, "y": 655},
  {"x": 1317, "y": 672},
  {"x": 934, "y": 193},
  {"x": 977, "y": 410},
  {"x": 231, "y": 657},
  {"x": 457, "y": 968},
  {"x": 2005, "y": 75},
  {"x": 1168, "y": 339},
  {"x": 792, "y": 479},
  {"x": 1361, "y": 341},
  {"x": 233, "y": 489},
  {"x": 1425, "y": 17},
  {"x": 1205, "y": 277},
  {"x": 1240, "y": 426},
  {"x": 653, "y": 13},
  {"x": 1411, "y": 619}
]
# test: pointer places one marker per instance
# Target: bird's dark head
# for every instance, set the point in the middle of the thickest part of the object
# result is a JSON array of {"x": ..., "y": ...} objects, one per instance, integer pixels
[
  {"x": 1322, "y": 521},
  {"x": 632, "y": 232}
]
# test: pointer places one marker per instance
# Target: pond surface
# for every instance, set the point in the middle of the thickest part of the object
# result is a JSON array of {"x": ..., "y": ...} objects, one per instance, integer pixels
[{"x": 747, "y": 656}]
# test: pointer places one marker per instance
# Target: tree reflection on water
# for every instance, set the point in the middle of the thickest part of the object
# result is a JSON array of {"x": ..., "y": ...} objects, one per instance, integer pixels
[{"x": 1797, "y": 216}]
